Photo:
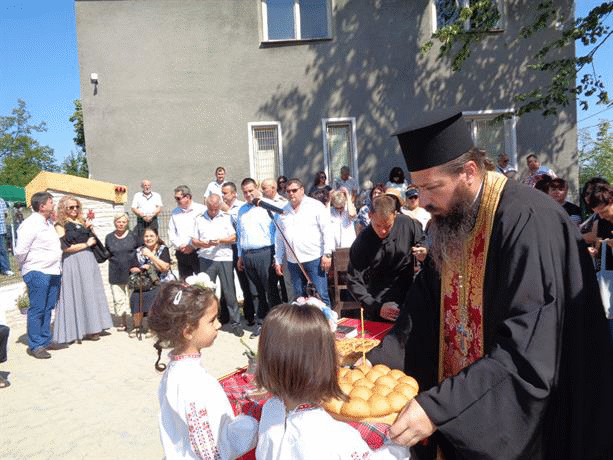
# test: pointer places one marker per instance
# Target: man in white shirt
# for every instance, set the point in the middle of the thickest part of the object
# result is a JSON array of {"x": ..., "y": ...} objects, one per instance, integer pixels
[
  {"x": 39, "y": 253},
  {"x": 231, "y": 204},
  {"x": 181, "y": 231},
  {"x": 306, "y": 225},
  {"x": 214, "y": 187},
  {"x": 214, "y": 235},
  {"x": 412, "y": 209},
  {"x": 146, "y": 205},
  {"x": 269, "y": 191},
  {"x": 348, "y": 182},
  {"x": 284, "y": 283}
]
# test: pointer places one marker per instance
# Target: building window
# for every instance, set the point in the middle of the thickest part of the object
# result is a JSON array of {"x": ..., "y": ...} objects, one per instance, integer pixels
[
  {"x": 265, "y": 150},
  {"x": 340, "y": 146},
  {"x": 494, "y": 134},
  {"x": 295, "y": 19},
  {"x": 448, "y": 11}
]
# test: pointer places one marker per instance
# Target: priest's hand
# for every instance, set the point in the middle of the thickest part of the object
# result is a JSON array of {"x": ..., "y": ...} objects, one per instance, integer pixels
[
  {"x": 411, "y": 426},
  {"x": 389, "y": 311}
]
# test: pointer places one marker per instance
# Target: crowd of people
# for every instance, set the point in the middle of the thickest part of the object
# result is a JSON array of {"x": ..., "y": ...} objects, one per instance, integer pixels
[{"x": 490, "y": 286}]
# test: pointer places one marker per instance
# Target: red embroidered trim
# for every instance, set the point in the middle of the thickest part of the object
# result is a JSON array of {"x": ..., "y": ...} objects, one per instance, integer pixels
[
  {"x": 200, "y": 434},
  {"x": 180, "y": 357}
]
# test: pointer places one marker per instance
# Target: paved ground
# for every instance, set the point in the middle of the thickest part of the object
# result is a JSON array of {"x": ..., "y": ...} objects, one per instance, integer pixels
[{"x": 96, "y": 400}]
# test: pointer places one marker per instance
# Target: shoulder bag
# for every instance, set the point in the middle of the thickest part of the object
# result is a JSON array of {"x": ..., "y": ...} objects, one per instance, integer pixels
[{"x": 605, "y": 281}]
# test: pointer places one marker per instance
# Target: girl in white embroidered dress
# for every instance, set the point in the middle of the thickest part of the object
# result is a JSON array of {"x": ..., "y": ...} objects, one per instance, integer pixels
[
  {"x": 297, "y": 363},
  {"x": 196, "y": 419}
]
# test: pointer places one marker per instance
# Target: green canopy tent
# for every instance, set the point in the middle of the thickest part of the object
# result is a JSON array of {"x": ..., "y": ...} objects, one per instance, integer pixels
[{"x": 13, "y": 193}]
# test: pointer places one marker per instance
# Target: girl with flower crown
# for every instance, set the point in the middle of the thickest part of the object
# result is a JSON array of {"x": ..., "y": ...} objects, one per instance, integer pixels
[{"x": 196, "y": 419}]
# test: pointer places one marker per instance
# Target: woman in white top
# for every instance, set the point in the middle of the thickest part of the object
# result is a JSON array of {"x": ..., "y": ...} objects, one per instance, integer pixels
[{"x": 342, "y": 218}]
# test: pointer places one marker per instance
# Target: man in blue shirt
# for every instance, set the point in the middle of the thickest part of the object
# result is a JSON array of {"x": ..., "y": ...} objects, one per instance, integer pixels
[{"x": 255, "y": 237}]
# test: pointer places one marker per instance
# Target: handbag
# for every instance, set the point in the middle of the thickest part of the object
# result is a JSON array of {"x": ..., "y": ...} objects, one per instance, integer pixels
[
  {"x": 143, "y": 281},
  {"x": 605, "y": 282},
  {"x": 100, "y": 252}
]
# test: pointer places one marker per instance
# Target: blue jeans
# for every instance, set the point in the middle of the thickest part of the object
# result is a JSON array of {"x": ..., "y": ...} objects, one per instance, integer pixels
[
  {"x": 43, "y": 291},
  {"x": 317, "y": 275},
  {"x": 4, "y": 256}
]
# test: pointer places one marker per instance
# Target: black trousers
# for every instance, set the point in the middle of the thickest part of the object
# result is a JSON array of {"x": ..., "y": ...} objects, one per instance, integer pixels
[
  {"x": 188, "y": 264},
  {"x": 4, "y": 339},
  {"x": 248, "y": 308},
  {"x": 262, "y": 280},
  {"x": 141, "y": 225}
]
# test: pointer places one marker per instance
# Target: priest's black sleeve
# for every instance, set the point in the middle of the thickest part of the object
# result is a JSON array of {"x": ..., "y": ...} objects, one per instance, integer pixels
[{"x": 540, "y": 316}]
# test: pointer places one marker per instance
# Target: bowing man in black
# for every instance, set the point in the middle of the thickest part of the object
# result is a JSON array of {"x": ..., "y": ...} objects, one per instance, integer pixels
[
  {"x": 381, "y": 264},
  {"x": 506, "y": 332}
]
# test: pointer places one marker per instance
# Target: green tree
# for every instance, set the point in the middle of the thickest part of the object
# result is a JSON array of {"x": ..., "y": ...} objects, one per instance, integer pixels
[
  {"x": 76, "y": 164},
  {"x": 457, "y": 41},
  {"x": 21, "y": 155},
  {"x": 596, "y": 156},
  {"x": 77, "y": 120},
  {"x": 19, "y": 169}
]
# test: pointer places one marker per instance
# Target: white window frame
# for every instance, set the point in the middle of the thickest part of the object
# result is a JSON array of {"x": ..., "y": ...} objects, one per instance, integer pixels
[
  {"x": 498, "y": 28},
  {"x": 354, "y": 141},
  {"x": 297, "y": 29},
  {"x": 264, "y": 124},
  {"x": 510, "y": 130}
]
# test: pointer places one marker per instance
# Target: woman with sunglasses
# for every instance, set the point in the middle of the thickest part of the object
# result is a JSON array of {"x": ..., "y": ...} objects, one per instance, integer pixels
[
  {"x": 82, "y": 311},
  {"x": 320, "y": 183}
]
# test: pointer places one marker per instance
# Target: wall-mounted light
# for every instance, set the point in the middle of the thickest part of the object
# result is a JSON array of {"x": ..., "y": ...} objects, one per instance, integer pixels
[{"x": 93, "y": 78}]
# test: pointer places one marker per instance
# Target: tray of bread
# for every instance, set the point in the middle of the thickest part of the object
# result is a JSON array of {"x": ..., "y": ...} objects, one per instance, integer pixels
[
  {"x": 350, "y": 350},
  {"x": 376, "y": 394}
]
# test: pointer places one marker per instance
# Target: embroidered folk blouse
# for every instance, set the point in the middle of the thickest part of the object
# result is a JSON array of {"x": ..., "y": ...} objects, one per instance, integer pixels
[{"x": 196, "y": 419}]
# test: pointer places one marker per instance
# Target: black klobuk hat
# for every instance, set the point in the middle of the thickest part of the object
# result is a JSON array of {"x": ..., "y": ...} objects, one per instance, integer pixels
[{"x": 434, "y": 140}]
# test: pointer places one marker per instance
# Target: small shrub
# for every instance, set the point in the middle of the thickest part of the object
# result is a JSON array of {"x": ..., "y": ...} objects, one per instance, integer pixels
[{"x": 23, "y": 301}]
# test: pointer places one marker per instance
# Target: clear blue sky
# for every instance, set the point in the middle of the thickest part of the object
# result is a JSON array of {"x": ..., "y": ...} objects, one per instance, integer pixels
[{"x": 38, "y": 63}]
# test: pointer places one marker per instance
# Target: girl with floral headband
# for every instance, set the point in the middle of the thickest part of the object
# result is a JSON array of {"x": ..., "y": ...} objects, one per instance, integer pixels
[{"x": 196, "y": 419}]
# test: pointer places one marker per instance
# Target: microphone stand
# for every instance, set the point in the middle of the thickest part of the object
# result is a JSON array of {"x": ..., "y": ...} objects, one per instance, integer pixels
[{"x": 310, "y": 288}]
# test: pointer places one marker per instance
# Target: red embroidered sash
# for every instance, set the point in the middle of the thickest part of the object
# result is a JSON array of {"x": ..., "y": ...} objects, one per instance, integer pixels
[{"x": 461, "y": 328}]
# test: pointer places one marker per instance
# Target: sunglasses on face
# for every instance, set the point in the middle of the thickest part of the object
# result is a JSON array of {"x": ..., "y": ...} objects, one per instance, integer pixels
[
  {"x": 179, "y": 198},
  {"x": 292, "y": 190},
  {"x": 72, "y": 208}
]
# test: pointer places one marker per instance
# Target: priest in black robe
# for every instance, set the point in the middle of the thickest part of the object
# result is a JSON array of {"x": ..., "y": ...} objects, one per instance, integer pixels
[{"x": 504, "y": 328}]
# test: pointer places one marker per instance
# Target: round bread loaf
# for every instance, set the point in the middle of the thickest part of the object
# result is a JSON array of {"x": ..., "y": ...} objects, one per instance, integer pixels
[{"x": 376, "y": 394}]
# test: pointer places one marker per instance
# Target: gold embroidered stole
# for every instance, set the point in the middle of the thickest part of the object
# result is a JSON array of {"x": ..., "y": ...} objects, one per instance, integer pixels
[{"x": 461, "y": 320}]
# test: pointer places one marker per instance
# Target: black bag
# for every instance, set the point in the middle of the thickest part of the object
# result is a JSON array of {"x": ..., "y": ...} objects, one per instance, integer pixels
[
  {"x": 143, "y": 281},
  {"x": 100, "y": 252}
]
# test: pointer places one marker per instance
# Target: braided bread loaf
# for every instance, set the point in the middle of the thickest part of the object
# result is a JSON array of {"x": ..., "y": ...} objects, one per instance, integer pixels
[{"x": 376, "y": 394}]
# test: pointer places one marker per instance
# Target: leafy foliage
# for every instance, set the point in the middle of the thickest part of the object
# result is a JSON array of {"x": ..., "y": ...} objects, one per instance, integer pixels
[
  {"x": 475, "y": 22},
  {"x": 22, "y": 156},
  {"x": 77, "y": 120},
  {"x": 596, "y": 156},
  {"x": 75, "y": 164}
]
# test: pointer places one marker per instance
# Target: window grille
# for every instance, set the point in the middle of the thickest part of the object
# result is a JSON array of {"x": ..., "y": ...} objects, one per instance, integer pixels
[{"x": 265, "y": 152}]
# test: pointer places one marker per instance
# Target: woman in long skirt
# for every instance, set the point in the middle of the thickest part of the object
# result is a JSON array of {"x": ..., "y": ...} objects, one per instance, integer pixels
[{"x": 82, "y": 311}]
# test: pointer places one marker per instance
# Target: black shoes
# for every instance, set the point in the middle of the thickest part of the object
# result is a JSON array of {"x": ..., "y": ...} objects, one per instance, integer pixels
[
  {"x": 39, "y": 353},
  {"x": 256, "y": 332},
  {"x": 237, "y": 330}
]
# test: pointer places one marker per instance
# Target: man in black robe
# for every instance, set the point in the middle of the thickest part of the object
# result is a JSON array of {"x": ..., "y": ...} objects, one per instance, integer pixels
[
  {"x": 542, "y": 386},
  {"x": 381, "y": 262}
]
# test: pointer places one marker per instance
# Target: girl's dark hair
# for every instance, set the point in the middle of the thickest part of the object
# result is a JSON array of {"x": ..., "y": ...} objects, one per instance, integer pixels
[
  {"x": 379, "y": 187},
  {"x": 396, "y": 172},
  {"x": 297, "y": 358},
  {"x": 587, "y": 190},
  {"x": 600, "y": 194},
  {"x": 157, "y": 233},
  {"x": 320, "y": 175},
  {"x": 169, "y": 320}
]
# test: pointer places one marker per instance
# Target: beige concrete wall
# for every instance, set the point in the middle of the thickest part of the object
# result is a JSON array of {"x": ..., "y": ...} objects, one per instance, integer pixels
[{"x": 179, "y": 82}]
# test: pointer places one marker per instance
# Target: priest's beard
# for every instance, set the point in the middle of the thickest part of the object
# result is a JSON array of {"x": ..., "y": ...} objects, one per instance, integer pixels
[{"x": 447, "y": 233}]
